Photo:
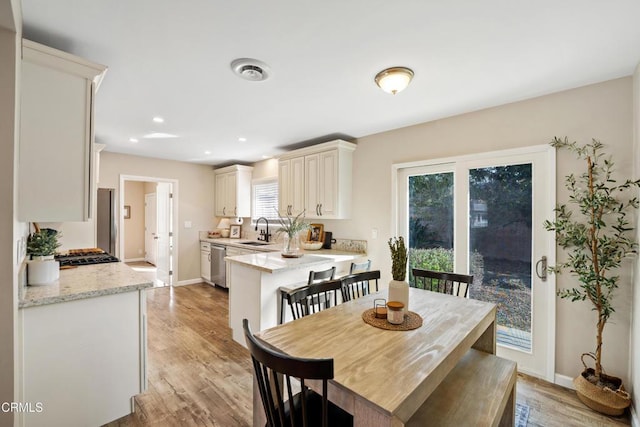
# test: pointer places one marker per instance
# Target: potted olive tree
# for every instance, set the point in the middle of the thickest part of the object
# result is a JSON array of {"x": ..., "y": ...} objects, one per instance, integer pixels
[
  {"x": 597, "y": 239},
  {"x": 41, "y": 246}
]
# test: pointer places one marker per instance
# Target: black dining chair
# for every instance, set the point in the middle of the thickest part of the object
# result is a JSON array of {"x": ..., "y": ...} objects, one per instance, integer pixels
[
  {"x": 438, "y": 281},
  {"x": 359, "y": 284},
  {"x": 274, "y": 372},
  {"x": 314, "y": 277},
  {"x": 314, "y": 298}
]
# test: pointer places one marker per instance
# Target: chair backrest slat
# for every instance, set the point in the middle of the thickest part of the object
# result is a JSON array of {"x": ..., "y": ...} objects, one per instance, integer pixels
[
  {"x": 359, "y": 284},
  {"x": 313, "y": 298},
  {"x": 443, "y": 282}
]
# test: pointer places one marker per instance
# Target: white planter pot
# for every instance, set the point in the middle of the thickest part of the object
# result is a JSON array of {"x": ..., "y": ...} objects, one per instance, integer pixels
[
  {"x": 399, "y": 291},
  {"x": 42, "y": 271}
]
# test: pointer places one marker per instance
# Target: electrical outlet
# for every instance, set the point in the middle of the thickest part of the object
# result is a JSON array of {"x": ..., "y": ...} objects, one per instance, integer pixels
[
  {"x": 374, "y": 233},
  {"x": 187, "y": 224}
]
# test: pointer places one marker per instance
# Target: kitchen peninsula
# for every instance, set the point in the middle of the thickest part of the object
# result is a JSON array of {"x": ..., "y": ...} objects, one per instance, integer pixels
[
  {"x": 255, "y": 279},
  {"x": 83, "y": 345}
]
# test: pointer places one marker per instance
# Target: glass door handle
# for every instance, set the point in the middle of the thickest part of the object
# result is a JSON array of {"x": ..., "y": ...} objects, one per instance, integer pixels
[{"x": 542, "y": 263}]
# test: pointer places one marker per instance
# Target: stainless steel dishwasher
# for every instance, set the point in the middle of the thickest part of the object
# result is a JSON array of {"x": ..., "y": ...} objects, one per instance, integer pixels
[{"x": 218, "y": 267}]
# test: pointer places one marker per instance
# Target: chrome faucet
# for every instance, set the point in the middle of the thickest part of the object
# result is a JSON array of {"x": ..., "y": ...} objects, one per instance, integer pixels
[{"x": 265, "y": 236}]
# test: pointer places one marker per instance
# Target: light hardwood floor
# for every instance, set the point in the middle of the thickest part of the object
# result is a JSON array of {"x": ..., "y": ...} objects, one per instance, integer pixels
[{"x": 199, "y": 376}]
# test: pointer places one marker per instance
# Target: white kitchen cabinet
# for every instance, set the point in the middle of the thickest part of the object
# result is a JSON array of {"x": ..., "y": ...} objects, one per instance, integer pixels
[
  {"x": 326, "y": 182},
  {"x": 56, "y": 135},
  {"x": 205, "y": 261},
  {"x": 233, "y": 191},
  {"x": 291, "y": 186},
  {"x": 84, "y": 360}
]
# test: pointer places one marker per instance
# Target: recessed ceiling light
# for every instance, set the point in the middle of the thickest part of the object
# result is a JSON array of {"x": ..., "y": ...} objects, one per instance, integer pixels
[
  {"x": 265, "y": 157},
  {"x": 242, "y": 139},
  {"x": 134, "y": 140},
  {"x": 207, "y": 152},
  {"x": 157, "y": 135},
  {"x": 158, "y": 119}
]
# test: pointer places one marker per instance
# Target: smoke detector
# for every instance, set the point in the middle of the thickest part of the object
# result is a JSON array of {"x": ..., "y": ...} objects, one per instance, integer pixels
[{"x": 250, "y": 69}]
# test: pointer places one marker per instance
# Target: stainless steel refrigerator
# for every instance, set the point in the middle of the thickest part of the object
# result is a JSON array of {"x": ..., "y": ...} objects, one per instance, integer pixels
[{"x": 106, "y": 220}]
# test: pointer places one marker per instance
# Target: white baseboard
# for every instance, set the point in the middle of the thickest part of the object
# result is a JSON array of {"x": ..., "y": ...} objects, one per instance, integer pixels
[
  {"x": 564, "y": 381},
  {"x": 189, "y": 282},
  {"x": 134, "y": 260}
]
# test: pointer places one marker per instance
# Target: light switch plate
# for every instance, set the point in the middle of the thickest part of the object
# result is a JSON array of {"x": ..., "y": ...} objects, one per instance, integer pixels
[{"x": 187, "y": 224}]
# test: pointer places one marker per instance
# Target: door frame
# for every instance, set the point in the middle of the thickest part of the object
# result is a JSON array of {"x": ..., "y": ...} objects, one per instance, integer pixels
[
  {"x": 550, "y": 153},
  {"x": 173, "y": 260},
  {"x": 147, "y": 242}
]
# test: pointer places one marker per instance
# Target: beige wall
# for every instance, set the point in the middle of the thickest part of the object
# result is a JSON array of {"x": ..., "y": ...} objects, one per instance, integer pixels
[
  {"x": 134, "y": 226},
  {"x": 195, "y": 199},
  {"x": 602, "y": 111}
]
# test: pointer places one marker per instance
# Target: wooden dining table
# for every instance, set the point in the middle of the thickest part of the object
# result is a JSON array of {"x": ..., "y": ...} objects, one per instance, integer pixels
[{"x": 382, "y": 377}]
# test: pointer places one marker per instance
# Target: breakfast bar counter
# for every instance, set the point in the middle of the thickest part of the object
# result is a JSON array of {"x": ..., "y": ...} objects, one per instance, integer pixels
[{"x": 254, "y": 281}]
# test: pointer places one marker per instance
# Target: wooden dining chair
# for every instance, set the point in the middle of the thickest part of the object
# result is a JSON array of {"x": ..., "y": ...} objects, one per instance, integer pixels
[
  {"x": 314, "y": 277},
  {"x": 313, "y": 298},
  {"x": 359, "y": 284},
  {"x": 274, "y": 372},
  {"x": 438, "y": 281},
  {"x": 359, "y": 267}
]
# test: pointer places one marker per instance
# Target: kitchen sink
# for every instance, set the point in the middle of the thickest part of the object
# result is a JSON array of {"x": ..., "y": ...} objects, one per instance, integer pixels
[{"x": 254, "y": 243}]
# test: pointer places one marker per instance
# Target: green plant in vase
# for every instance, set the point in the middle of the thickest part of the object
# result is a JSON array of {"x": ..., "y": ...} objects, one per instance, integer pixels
[
  {"x": 290, "y": 228},
  {"x": 398, "y": 287},
  {"x": 596, "y": 239},
  {"x": 42, "y": 242}
]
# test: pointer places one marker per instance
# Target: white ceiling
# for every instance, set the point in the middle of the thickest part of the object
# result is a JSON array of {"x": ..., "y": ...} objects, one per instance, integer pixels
[{"x": 172, "y": 59}]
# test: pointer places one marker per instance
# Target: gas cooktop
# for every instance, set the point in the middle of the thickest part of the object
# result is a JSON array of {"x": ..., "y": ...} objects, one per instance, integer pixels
[{"x": 90, "y": 256}]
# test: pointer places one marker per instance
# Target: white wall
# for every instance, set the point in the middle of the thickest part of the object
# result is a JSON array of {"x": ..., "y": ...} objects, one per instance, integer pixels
[
  {"x": 602, "y": 111},
  {"x": 195, "y": 199}
]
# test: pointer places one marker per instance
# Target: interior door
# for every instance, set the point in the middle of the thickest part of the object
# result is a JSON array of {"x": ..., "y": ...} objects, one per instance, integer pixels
[
  {"x": 483, "y": 215},
  {"x": 164, "y": 232},
  {"x": 150, "y": 228}
]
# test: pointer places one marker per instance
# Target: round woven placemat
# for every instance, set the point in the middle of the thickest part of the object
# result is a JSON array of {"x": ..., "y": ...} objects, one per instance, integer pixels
[{"x": 411, "y": 321}]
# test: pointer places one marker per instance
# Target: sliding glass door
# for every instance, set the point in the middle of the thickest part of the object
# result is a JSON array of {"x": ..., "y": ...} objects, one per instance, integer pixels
[{"x": 483, "y": 215}]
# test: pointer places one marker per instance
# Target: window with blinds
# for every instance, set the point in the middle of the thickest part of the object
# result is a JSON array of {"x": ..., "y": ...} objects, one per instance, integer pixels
[{"x": 265, "y": 200}]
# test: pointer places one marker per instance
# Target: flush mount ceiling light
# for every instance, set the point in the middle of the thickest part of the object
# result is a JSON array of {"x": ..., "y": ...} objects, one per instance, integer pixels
[
  {"x": 394, "y": 79},
  {"x": 250, "y": 69}
]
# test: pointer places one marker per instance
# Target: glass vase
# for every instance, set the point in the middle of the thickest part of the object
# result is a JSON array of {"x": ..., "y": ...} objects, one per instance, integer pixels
[{"x": 291, "y": 246}]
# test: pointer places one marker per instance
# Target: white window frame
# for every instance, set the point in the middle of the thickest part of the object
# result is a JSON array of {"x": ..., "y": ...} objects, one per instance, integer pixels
[{"x": 262, "y": 181}]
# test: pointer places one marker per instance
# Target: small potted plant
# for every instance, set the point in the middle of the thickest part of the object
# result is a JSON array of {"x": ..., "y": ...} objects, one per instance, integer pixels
[
  {"x": 41, "y": 246},
  {"x": 398, "y": 287},
  {"x": 290, "y": 228},
  {"x": 597, "y": 239}
]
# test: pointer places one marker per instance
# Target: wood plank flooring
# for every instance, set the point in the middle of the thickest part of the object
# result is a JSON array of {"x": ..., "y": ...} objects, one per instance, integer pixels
[{"x": 199, "y": 376}]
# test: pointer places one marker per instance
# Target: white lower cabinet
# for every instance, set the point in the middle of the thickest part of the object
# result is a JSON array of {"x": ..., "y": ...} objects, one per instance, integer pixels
[
  {"x": 84, "y": 360},
  {"x": 205, "y": 261}
]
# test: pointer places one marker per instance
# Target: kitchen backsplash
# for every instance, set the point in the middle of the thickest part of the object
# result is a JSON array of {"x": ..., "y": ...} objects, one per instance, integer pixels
[{"x": 347, "y": 245}]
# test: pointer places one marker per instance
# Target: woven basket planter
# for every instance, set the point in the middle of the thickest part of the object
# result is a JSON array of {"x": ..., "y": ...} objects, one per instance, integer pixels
[{"x": 606, "y": 400}]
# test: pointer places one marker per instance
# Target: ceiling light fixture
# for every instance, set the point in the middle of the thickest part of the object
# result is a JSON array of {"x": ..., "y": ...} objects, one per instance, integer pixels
[
  {"x": 242, "y": 139},
  {"x": 207, "y": 152},
  {"x": 159, "y": 135},
  {"x": 250, "y": 69},
  {"x": 394, "y": 79},
  {"x": 158, "y": 119},
  {"x": 134, "y": 140}
]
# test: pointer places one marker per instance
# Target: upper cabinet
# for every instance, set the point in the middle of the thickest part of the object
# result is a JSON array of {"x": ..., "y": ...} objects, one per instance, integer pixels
[
  {"x": 317, "y": 179},
  {"x": 233, "y": 191},
  {"x": 55, "y": 172}
]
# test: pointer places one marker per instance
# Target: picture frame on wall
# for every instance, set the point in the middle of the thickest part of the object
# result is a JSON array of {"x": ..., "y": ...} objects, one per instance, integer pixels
[
  {"x": 234, "y": 232},
  {"x": 315, "y": 233}
]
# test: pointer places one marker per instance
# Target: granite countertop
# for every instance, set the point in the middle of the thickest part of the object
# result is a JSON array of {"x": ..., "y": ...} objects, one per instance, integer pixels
[
  {"x": 274, "y": 262},
  {"x": 86, "y": 281},
  {"x": 238, "y": 243}
]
